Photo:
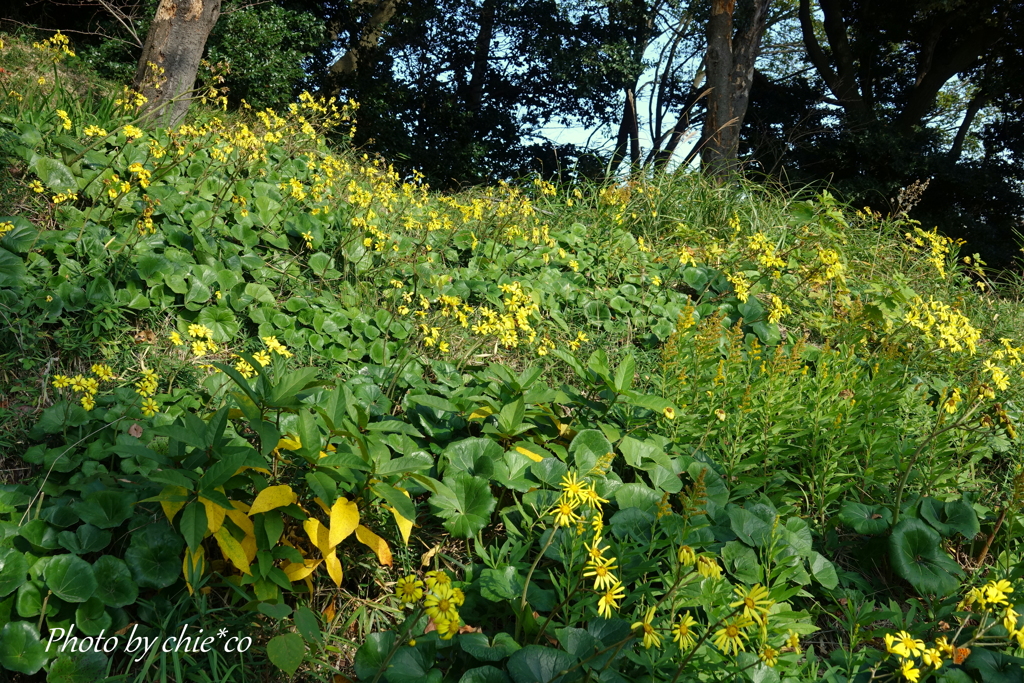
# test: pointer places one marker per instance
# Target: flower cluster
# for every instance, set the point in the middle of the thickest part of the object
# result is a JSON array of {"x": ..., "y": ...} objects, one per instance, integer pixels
[
  {"x": 441, "y": 600},
  {"x": 945, "y": 326},
  {"x": 57, "y": 45},
  {"x": 87, "y": 386}
]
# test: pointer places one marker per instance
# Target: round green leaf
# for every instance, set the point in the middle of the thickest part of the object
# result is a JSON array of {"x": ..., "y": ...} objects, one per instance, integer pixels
[
  {"x": 21, "y": 649},
  {"x": 92, "y": 618},
  {"x": 221, "y": 321},
  {"x": 589, "y": 446},
  {"x": 106, "y": 509},
  {"x": 84, "y": 540},
  {"x": 70, "y": 578},
  {"x": 77, "y": 668},
  {"x": 153, "y": 566},
  {"x": 13, "y": 570},
  {"x": 916, "y": 554},
  {"x": 473, "y": 455},
  {"x": 117, "y": 587},
  {"x": 537, "y": 663},
  {"x": 477, "y": 645},
  {"x": 865, "y": 519},
  {"x": 484, "y": 674},
  {"x": 465, "y": 503},
  {"x": 371, "y": 654},
  {"x": 286, "y": 652}
]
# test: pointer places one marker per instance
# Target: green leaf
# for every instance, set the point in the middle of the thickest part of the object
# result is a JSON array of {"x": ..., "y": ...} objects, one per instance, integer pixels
[
  {"x": 435, "y": 402},
  {"x": 624, "y": 373},
  {"x": 55, "y": 175},
  {"x": 117, "y": 588},
  {"x": 308, "y": 625},
  {"x": 29, "y": 602},
  {"x": 221, "y": 321},
  {"x": 192, "y": 524},
  {"x": 537, "y": 664},
  {"x": 953, "y": 517},
  {"x": 286, "y": 652},
  {"x": 916, "y": 553},
  {"x": 396, "y": 499},
  {"x": 500, "y": 584},
  {"x": 465, "y": 503},
  {"x": 753, "y": 524},
  {"x": 106, "y": 509},
  {"x": 865, "y": 519},
  {"x": 12, "y": 270},
  {"x": 70, "y": 578},
  {"x": 92, "y": 618},
  {"x": 77, "y": 668},
  {"x": 21, "y": 649},
  {"x": 320, "y": 263},
  {"x": 153, "y": 556},
  {"x": 741, "y": 561},
  {"x": 473, "y": 455},
  {"x": 86, "y": 539},
  {"x": 823, "y": 571},
  {"x": 414, "y": 664},
  {"x": 13, "y": 570},
  {"x": 371, "y": 654},
  {"x": 484, "y": 674},
  {"x": 501, "y": 645},
  {"x": 589, "y": 446}
]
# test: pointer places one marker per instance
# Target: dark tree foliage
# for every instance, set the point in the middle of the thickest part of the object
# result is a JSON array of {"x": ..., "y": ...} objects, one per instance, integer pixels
[{"x": 899, "y": 92}]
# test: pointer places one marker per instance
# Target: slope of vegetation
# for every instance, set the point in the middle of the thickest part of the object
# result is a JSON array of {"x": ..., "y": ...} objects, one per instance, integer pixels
[{"x": 658, "y": 430}]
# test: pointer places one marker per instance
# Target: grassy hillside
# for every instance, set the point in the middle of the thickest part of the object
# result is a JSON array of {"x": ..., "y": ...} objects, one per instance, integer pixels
[{"x": 662, "y": 429}]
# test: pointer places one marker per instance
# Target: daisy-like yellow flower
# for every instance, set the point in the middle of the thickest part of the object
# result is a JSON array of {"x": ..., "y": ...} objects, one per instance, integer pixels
[
  {"x": 610, "y": 600},
  {"x": 65, "y": 120},
  {"x": 409, "y": 589},
  {"x": 437, "y": 578},
  {"x": 87, "y": 402},
  {"x": 591, "y": 498},
  {"x": 708, "y": 568},
  {"x": 996, "y": 592},
  {"x": 60, "y": 381},
  {"x": 683, "y": 632},
  {"x": 439, "y": 603},
  {"x": 793, "y": 641},
  {"x": 769, "y": 655},
  {"x": 651, "y": 637},
  {"x": 37, "y": 187},
  {"x": 175, "y": 338},
  {"x": 262, "y": 357},
  {"x": 573, "y": 490},
  {"x": 932, "y": 657},
  {"x": 458, "y": 597},
  {"x": 729, "y": 638},
  {"x": 687, "y": 557},
  {"x": 150, "y": 407},
  {"x": 594, "y": 550},
  {"x": 670, "y": 413},
  {"x": 755, "y": 602},
  {"x": 912, "y": 645},
  {"x": 944, "y": 646},
  {"x": 895, "y": 647},
  {"x": 602, "y": 570},
  {"x": 78, "y": 383},
  {"x": 197, "y": 331},
  {"x": 565, "y": 513},
  {"x": 909, "y": 671},
  {"x": 103, "y": 371},
  {"x": 1010, "y": 619},
  {"x": 446, "y": 628}
]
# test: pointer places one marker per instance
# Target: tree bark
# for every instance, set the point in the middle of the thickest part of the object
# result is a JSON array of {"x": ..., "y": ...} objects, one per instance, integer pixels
[
  {"x": 730, "y": 74},
  {"x": 369, "y": 37},
  {"x": 170, "y": 58}
]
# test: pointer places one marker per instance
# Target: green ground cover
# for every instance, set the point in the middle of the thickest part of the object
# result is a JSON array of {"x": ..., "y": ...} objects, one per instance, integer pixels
[{"x": 660, "y": 430}]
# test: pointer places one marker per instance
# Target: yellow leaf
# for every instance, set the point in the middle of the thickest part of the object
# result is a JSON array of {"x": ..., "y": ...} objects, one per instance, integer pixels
[
  {"x": 375, "y": 543},
  {"x": 329, "y": 611},
  {"x": 530, "y": 454},
  {"x": 193, "y": 564},
  {"x": 333, "y": 565},
  {"x": 231, "y": 549},
  {"x": 290, "y": 443},
  {"x": 249, "y": 547},
  {"x": 240, "y": 519},
  {"x": 404, "y": 525},
  {"x": 271, "y": 498},
  {"x": 214, "y": 514},
  {"x": 344, "y": 520},
  {"x": 318, "y": 535},
  {"x": 481, "y": 413},
  {"x": 323, "y": 506},
  {"x": 171, "y": 507},
  {"x": 239, "y": 505},
  {"x": 297, "y": 571}
]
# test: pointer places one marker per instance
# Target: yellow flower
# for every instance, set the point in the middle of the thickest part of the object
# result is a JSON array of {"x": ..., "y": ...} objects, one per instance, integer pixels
[
  {"x": 708, "y": 568},
  {"x": 150, "y": 407},
  {"x": 913, "y": 646},
  {"x": 262, "y": 357},
  {"x": 670, "y": 413},
  {"x": 594, "y": 550},
  {"x": 601, "y": 570},
  {"x": 565, "y": 513},
  {"x": 65, "y": 120},
  {"x": 729, "y": 638},
  {"x": 437, "y": 578},
  {"x": 439, "y": 603},
  {"x": 944, "y": 646},
  {"x": 894, "y": 646},
  {"x": 610, "y": 600},
  {"x": 103, "y": 371},
  {"x": 60, "y": 381},
  {"x": 651, "y": 637},
  {"x": 769, "y": 655},
  {"x": 409, "y": 589},
  {"x": 36, "y": 186},
  {"x": 88, "y": 403},
  {"x": 683, "y": 632},
  {"x": 573, "y": 489},
  {"x": 93, "y": 131},
  {"x": 755, "y": 602},
  {"x": 909, "y": 671},
  {"x": 175, "y": 339},
  {"x": 932, "y": 657},
  {"x": 686, "y": 556},
  {"x": 720, "y": 414},
  {"x": 793, "y": 641},
  {"x": 458, "y": 597},
  {"x": 996, "y": 591},
  {"x": 41, "y": 80}
]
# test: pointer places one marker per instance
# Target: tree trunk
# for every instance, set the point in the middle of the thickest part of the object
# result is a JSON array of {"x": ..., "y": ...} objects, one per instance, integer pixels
[
  {"x": 730, "y": 74},
  {"x": 170, "y": 59},
  {"x": 369, "y": 37}
]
